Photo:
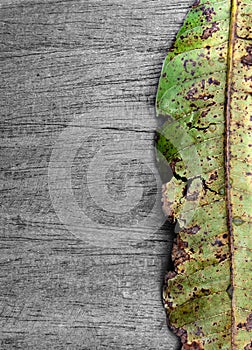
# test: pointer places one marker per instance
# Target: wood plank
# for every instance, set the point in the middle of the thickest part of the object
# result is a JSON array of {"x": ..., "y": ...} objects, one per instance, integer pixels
[{"x": 84, "y": 247}]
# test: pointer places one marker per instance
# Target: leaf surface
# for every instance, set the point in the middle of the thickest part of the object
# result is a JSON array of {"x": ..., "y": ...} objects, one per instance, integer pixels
[{"x": 204, "y": 100}]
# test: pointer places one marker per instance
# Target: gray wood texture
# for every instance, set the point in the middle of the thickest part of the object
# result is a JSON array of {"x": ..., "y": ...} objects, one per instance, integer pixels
[{"x": 84, "y": 247}]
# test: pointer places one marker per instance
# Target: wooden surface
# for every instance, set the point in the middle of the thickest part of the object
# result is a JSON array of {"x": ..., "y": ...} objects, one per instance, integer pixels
[{"x": 84, "y": 247}]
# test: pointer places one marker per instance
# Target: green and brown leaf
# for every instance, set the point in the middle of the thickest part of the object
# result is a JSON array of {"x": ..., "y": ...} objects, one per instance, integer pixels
[{"x": 205, "y": 93}]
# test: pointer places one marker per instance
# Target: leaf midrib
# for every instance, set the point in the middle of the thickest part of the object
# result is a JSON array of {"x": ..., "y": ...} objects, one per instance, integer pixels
[{"x": 232, "y": 36}]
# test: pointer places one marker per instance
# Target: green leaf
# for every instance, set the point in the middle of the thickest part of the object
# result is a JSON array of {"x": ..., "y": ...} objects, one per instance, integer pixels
[{"x": 204, "y": 100}]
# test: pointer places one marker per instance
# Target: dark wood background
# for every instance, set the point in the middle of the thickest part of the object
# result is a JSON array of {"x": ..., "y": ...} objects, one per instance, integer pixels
[{"x": 84, "y": 247}]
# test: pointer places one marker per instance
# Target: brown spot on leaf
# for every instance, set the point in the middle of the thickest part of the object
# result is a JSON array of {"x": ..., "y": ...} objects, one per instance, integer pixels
[
  {"x": 248, "y": 79},
  {"x": 247, "y": 60},
  {"x": 221, "y": 257},
  {"x": 199, "y": 332},
  {"x": 213, "y": 176},
  {"x": 204, "y": 113},
  {"x": 196, "y": 3},
  {"x": 191, "y": 93},
  {"x": 248, "y": 347},
  {"x": 180, "y": 332},
  {"x": 208, "y": 12},
  {"x": 170, "y": 275},
  {"x": 173, "y": 163},
  {"x": 205, "y": 97},
  {"x": 213, "y": 81},
  {"x": 209, "y": 31},
  {"x": 180, "y": 287},
  {"x": 193, "y": 196},
  {"x": 193, "y": 346},
  {"x": 249, "y": 323},
  {"x": 167, "y": 209},
  {"x": 193, "y": 63},
  {"x": 205, "y": 291},
  {"x": 191, "y": 96},
  {"x": 179, "y": 255},
  {"x": 218, "y": 242},
  {"x": 192, "y": 230},
  {"x": 170, "y": 304}
]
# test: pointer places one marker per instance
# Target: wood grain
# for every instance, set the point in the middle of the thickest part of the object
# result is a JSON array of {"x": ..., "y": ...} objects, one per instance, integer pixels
[{"x": 78, "y": 77}]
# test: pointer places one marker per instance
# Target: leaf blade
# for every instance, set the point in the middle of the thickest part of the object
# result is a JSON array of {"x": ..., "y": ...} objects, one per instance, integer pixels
[{"x": 196, "y": 89}]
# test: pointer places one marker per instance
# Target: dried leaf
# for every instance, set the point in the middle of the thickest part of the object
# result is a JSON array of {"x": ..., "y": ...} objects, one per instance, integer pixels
[{"x": 205, "y": 102}]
